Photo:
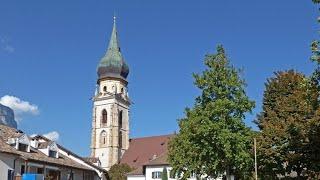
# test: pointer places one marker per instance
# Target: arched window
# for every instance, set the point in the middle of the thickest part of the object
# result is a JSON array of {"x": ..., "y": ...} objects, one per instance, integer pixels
[
  {"x": 105, "y": 88},
  {"x": 120, "y": 119},
  {"x": 122, "y": 90},
  {"x": 104, "y": 116},
  {"x": 103, "y": 138}
]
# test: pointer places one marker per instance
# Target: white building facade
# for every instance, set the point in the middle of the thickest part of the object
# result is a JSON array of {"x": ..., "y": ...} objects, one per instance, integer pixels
[{"x": 21, "y": 155}]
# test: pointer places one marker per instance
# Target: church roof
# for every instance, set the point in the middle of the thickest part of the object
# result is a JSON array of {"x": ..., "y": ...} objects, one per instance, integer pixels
[
  {"x": 144, "y": 150},
  {"x": 112, "y": 64},
  {"x": 160, "y": 160}
]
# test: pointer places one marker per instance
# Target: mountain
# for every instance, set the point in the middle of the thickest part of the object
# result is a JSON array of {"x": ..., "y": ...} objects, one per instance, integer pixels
[{"x": 7, "y": 116}]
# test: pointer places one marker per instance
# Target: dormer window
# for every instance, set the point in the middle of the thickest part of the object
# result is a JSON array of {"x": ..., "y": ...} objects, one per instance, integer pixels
[
  {"x": 23, "y": 147},
  {"x": 52, "y": 153},
  {"x": 50, "y": 148},
  {"x": 22, "y": 143}
]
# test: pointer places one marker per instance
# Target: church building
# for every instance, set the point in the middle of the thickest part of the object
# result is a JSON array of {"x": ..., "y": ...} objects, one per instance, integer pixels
[
  {"x": 110, "y": 120},
  {"x": 110, "y": 141}
]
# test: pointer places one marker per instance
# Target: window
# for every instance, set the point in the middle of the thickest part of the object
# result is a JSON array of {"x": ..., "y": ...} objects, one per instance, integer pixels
[
  {"x": 40, "y": 171},
  {"x": 122, "y": 90},
  {"x": 156, "y": 175},
  {"x": 22, "y": 169},
  {"x": 52, "y": 154},
  {"x": 103, "y": 138},
  {"x": 104, "y": 116},
  {"x": 105, "y": 88},
  {"x": 120, "y": 119},
  {"x": 10, "y": 174},
  {"x": 23, "y": 147},
  {"x": 88, "y": 176}
]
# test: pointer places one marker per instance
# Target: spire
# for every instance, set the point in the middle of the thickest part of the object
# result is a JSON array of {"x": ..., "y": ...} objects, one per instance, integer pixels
[
  {"x": 114, "y": 45},
  {"x": 113, "y": 64}
]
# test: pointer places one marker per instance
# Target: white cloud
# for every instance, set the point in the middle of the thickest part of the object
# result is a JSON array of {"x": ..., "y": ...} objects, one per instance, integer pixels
[
  {"x": 8, "y": 48},
  {"x": 19, "y": 106},
  {"x": 5, "y": 45},
  {"x": 33, "y": 135},
  {"x": 54, "y": 135}
]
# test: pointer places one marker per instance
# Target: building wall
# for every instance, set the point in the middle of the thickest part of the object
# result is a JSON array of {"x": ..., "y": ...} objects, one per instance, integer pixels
[
  {"x": 135, "y": 177},
  {"x": 150, "y": 169},
  {"x": 77, "y": 174},
  {"x": 112, "y": 86},
  {"x": 6, "y": 163},
  {"x": 98, "y": 176}
]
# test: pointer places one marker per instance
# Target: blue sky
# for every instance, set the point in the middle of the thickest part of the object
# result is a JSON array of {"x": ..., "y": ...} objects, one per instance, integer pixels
[{"x": 49, "y": 51}]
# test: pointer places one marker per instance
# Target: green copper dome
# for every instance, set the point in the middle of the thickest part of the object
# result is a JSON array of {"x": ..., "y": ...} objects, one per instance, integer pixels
[{"x": 113, "y": 64}]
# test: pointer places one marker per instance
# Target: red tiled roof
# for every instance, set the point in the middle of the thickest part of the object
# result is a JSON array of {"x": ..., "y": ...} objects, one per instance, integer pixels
[
  {"x": 35, "y": 155},
  {"x": 160, "y": 160},
  {"x": 143, "y": 150},
  {"x": 136, "y": 172}
]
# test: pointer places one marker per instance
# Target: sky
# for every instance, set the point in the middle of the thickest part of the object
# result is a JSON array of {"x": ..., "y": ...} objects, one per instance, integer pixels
[{"x": 49, "y": 51}]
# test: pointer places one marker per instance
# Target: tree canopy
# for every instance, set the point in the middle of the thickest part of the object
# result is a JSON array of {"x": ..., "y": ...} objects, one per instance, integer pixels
[
  {"x": 213, "y": 138},
  {"x": 164, "y": 175},
  {"x": 288, "y": 106},
  {"x": 119, "y": 171}
]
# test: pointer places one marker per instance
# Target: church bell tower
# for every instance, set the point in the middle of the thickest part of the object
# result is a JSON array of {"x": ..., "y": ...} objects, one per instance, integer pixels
[{"x": 111, "y": 103}]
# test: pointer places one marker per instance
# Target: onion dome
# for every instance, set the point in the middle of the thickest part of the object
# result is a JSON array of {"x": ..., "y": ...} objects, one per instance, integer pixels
[
  {"x": 113, "y": 64},
  {"x": 7, "y": 116}
]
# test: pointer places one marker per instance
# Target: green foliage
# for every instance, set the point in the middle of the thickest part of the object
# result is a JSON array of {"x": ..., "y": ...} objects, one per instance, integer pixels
[
  {"x": 313, "y": 153},
  {"x": 314, "y": 124},
  {"x": 119, "y": 171},
  {"x": 316, "y": 57},
  {"x": 213, "y": 138},
  {"x": 288, "y": 105},
  {"x": 164, "y": 175},
  {"x": 316, "y": 1}
]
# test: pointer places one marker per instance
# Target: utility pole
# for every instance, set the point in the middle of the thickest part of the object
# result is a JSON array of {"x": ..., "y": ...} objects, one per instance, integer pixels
[{"x": 255, "y": 158}]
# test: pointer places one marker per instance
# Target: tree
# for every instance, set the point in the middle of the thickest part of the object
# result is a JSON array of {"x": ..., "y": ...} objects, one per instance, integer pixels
[
  {"x": 316, "y": 1},
  {"x": 213, "y": 138},
  {"x": 164, "y": 175},
  {"x": 288, "y": 106},
  {"x": 119, "y": 171},
  {"x": 313, "y": 153},
  {"x": 314, "y": 123}
]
